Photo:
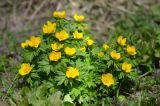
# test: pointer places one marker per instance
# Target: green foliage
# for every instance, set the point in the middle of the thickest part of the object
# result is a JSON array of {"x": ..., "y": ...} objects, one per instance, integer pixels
[
  {"x": 86, "y": 88},
  {"x": 36, "y": 97},
  {"x": 49, "y": 84},
  {"x": 143, "y": 32}
]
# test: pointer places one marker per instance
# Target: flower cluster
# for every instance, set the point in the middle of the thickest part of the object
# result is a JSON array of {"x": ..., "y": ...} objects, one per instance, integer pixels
[
  {"x": 120, "y": 53},
  {"x": 61, "y": 35},
  {"x": 32, "y": 42},
  {"x": 66, "y": 56}
]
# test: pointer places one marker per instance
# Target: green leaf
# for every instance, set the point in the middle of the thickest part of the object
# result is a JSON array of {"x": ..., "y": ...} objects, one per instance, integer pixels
[
  {"x": 24, "y": 91},
  {"x": 29, "y": 80},
  {"x": 41, "y": 91},
  {"x": 60, "y": 78},
  {"x": 121, "y": 98},
  {"x": 43, "y": 47},
  {"x": 28, "y": 56},
  {"x": 75, "y": 92},
  {"x": 157, "y": 53},
  {"x": 155, "y": 9},
  {"x": 43, "y": 63},
  {"x": 61, "y": 81},
  {"x": 68, "y": 104},
  {"x": 67, "y": 101},
  {"x": 121, "y": 75},
  {"x": 35, "y": 75},
  {"x": 109, "y": 63},
  {"x": 46, "y": 68},
  {"x": 55, "y": 99},
  {"x": 11, "y": 102}
]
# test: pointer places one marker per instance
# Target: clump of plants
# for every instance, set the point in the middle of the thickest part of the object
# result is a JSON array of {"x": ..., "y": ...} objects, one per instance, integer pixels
[
  {"x": 64, "y": 58},
  {"x": 144, "y": 29}
]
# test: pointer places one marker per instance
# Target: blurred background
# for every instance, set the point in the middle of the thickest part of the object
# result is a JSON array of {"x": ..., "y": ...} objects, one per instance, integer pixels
[{"x": 26, "y": 17}]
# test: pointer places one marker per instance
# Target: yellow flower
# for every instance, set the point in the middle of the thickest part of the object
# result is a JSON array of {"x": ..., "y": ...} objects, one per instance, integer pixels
[
  {"x": 89, "y": 41},
  {"x": 78, "y": 18},
  {"x": 115, "y": 55},
  {"x": 59, "y": 14},
  {"x": 54, "y": 56},
  {"x": 77, "y": 35},
  {"x": 107, "y": 79},
  {"x": 70, "y": 51},
  {"x": 25, "y": 44},
  {"x": 105, "y": 46},
  {"x": 34, "y": 41},
  {"x": 101, "y": 54},
  {"x": 121, "y": 41},
  {"x": 131, "y": 50},
  {"x": 56, "y": 46},
  {"x": 62, "y": 35},
  {"x": 25, "y": 69},
  {"x": 49, "y": 27},
  {"x": 83, "y": 48},
  {"x": 72, "y": 72},
  {"x": 126, "y": 67}
]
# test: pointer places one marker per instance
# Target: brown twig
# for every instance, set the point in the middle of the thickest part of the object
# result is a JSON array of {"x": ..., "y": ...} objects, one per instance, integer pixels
[
  {"x": 141, "y": 76},
  {"x": 28, "y": 8},
  {"x": 38, "y": 9}
]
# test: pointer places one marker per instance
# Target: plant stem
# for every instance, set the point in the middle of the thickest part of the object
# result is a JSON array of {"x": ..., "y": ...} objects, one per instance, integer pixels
[
  {"x": 143, "y": 75},
  {"x": 4, "y": 97}
]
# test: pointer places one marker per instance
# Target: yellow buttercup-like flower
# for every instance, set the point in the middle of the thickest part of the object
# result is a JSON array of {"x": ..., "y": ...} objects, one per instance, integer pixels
[
  {"x": 78, "y": 18},
  {"x": 72, "y": 72},
  {"x": 77, "y": 35},
  {"x": 131, "y": 50},
  {"x": 49, "y": 27},
  {"x": 101, "y": 54},
  {"x": 59, "y": 14},
  {"x": 25, "y": 69},
  {"x": 82, "y": 48},
  {"x": 25, "y": 44},
  {"x": 69, "y": 51},
  {"x": 56, "y": 46},
  {"x": 105, "y": 46},
  {"x": 121, "y": 41},
  {"x": 34, "y": 41},
  {"x": 89, "y": 41},
  {"x": 126, "y": 67},
  {"x": 107, "y": 79},
  {"x": 54, "y": 56},
  {"x": 62, "y": 35},
  {"x": 115, "y": 55}
]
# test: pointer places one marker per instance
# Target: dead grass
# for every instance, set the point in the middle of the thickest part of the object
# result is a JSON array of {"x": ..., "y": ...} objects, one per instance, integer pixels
[{"x": 25, "y": 17}]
